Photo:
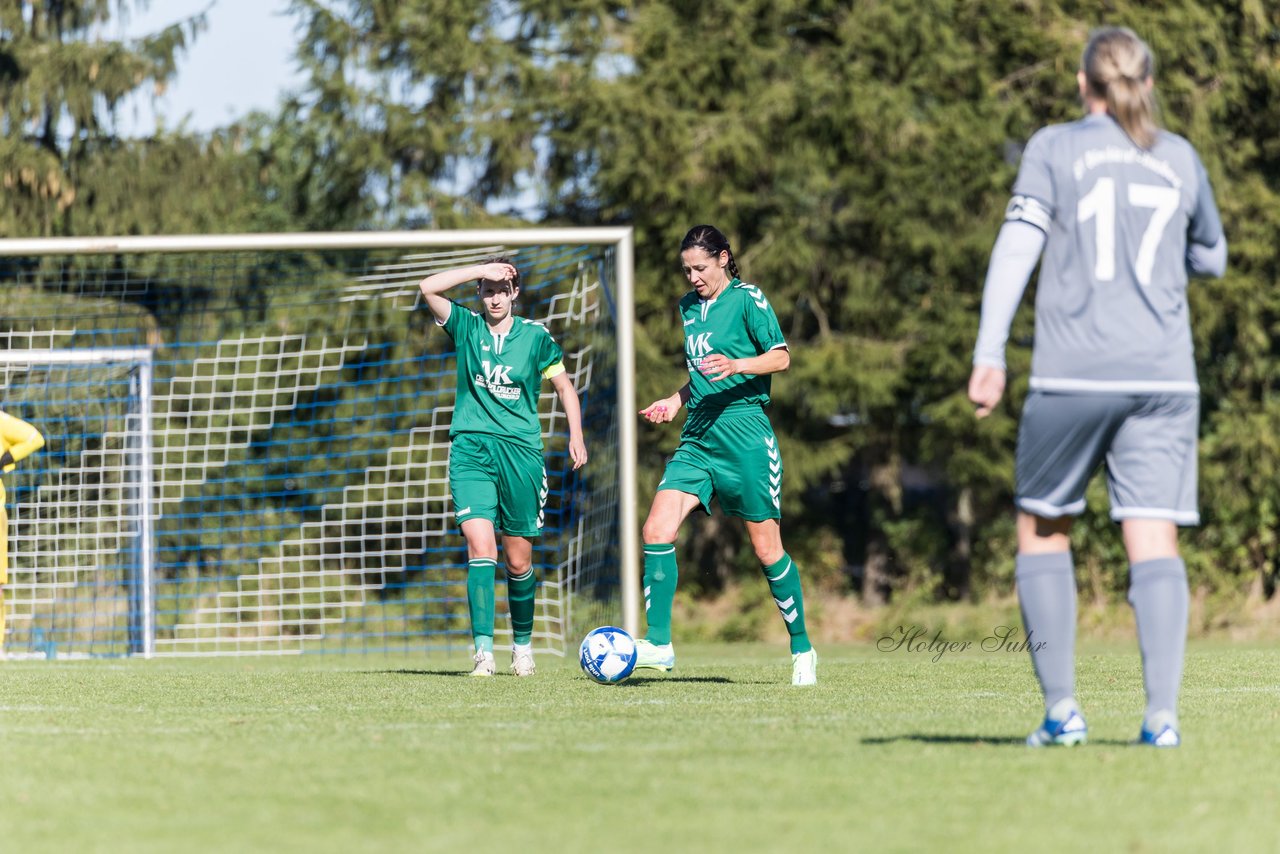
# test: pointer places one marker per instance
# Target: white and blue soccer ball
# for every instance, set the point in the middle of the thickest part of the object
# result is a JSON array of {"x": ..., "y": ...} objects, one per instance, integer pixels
[{"x": 608, "y": 655}]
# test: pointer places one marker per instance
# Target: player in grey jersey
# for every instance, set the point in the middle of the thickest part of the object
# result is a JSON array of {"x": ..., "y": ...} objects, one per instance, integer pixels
[{"x": 1122, "y": 213}]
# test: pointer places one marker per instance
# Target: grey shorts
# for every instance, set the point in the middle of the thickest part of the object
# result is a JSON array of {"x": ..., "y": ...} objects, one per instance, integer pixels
[{"x": 1147, "y": 441}]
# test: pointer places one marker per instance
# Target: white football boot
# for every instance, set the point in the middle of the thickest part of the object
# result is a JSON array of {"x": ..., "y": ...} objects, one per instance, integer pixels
[
  {"x": 484, "y": 664},
  {"x": 652, "y": 656},
  {"x": 804, "y": 668},
  {"x": 522, "y": 660},
  {"x": 1160, "y": 730},
  {"x": 1063, "y": 726}
]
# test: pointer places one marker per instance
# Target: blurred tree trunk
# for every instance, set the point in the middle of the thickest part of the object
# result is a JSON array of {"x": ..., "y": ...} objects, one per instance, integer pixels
[
  {"x": 886, "y": 483},
  {"x": 960, "y": 567},
  {"x": 715, "y": 545}
]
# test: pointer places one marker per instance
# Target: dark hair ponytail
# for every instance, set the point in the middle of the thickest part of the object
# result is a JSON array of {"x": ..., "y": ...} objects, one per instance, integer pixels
[{"x": 709, "y": 239}]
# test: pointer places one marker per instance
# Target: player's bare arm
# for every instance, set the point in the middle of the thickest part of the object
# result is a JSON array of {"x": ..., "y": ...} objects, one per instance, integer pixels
[
  {"x": 718, "y": 366},
  {"x": 664, "y": 410},
  {"x": 434, "y": 286},
  {"x": 573, "y": 411}
]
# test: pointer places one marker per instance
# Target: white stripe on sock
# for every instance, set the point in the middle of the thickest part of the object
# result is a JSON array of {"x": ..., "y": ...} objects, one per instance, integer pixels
[{"x": 780, "y": 577}]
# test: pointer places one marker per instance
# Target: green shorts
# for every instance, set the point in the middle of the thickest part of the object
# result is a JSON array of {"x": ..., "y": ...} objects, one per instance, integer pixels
[
  {"x": 506, "y": 483},
  {"x": 730, "y": 455}
]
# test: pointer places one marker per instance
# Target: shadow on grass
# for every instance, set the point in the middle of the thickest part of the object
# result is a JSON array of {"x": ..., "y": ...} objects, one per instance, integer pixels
[
  {"x": 633, "y": 681},
  {"x": 641, "y": 681},
  {"x": 947, "y": 739},
  {"x": 995, "y": 741}
]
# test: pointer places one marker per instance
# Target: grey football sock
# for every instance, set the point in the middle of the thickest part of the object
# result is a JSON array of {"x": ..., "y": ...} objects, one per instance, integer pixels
[
  {"x": 1159, "y": 596},
  {"x": 1047, "y": 596}
]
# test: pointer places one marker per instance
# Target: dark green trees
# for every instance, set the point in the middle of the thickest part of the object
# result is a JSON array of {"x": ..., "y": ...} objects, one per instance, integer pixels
[
  {"x": 64, "y": 168},
  {"x": 858, "y": 154}
]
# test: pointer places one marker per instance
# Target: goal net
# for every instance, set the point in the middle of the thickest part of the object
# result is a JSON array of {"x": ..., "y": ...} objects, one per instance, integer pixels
[{"x": 247, "y": 442}]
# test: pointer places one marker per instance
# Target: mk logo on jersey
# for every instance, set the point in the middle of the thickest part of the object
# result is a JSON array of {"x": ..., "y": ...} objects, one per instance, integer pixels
[
  {"x": 497, "y": 381},
  {"x": 497, "y": 374},
  {"x": 698, "y": 345}
]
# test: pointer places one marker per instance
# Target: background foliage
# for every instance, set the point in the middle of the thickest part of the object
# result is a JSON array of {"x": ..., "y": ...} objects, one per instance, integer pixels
[{"x": 858, "y": 154}]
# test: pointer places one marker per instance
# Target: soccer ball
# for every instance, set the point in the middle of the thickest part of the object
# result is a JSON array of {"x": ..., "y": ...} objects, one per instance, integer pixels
[{"x": 607, "y": 655}]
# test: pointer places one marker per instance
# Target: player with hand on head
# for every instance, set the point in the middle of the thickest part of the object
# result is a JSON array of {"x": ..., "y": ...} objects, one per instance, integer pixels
[
  {"x": 727, "y": 449},
  {"x": 497, "y": 476},
  {"x": 1122, "y": 213},
  {"x": 18, "y": 440}
]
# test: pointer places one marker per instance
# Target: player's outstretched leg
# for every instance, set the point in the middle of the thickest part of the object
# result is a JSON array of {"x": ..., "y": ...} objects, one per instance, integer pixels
[
  {"x": 1159, "y": 595},
  {"x": 1047, "y": 596},
  {"x": 521, "y": 590},
  {"x": 654, "y": 651},
  {"x": 784, "y": 585},
  {"x": 480, "y": 605}
]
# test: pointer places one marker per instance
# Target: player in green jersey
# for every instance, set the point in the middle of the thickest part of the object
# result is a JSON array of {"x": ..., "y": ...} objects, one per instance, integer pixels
[
  {"x": 727, "y": 447},
  {"x": 497, "y": 477}
]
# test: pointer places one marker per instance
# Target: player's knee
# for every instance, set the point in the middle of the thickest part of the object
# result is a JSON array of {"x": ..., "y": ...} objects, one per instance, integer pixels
[
  {"x": 770, "y": 554},
  {"x": 482, "y": 551},
  {"x": 1150, "y": 539},
  {"x": 658, "y": 532},
  {"x": 768, "y": 547}
]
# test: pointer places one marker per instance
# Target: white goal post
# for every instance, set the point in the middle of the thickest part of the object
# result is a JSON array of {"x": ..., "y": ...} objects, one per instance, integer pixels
[
  {"x": 137, "y": 447},
  {"x": 619, "y": 240}
]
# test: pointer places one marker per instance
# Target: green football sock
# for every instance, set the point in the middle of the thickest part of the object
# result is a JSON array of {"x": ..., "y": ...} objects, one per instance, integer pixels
[
  {"x": 784, "y": 585},
  {"x": 520, "y": 598},
  {"x": 659, "y": 590},
  {"x": 480, "y": 601}
]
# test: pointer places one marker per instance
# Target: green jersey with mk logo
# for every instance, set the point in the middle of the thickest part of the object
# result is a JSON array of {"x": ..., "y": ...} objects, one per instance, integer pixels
[
  {"x": 740, "y": 324},
  {"x": 500, "y": 376}
]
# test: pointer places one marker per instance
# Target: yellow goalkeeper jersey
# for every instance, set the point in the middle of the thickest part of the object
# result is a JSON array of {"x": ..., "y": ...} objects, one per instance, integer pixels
[{"x": 19, "y": 439}]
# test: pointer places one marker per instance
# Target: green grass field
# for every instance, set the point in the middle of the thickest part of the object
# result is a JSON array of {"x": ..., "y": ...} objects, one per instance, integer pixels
[{"x": 891, "y": 752}]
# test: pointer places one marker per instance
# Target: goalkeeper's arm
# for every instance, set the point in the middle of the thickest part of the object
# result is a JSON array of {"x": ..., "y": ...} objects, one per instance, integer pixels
[{"x": 20, "y": 441}]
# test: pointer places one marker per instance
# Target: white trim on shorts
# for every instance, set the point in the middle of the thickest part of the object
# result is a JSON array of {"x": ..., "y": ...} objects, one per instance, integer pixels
[
  {"x": 1165, "y": 513},
  {"x": 1115, "y": 386},
  {"x": 1045, "y": 510}
]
